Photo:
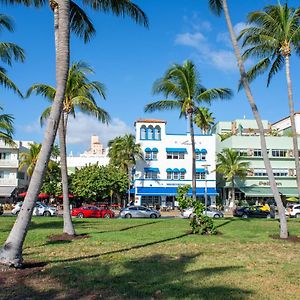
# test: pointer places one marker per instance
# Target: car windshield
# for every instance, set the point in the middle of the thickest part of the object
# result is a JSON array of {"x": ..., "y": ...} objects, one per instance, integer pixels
[{"x": 42, "y": 204}]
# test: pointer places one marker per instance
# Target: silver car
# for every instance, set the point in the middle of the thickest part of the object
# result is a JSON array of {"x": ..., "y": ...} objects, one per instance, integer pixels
[
  {"x": 139, "y": 212},
  {"x": 213, "y": 213}
]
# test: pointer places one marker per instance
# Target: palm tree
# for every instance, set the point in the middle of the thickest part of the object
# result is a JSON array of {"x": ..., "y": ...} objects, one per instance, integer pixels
[
  {"x": 204, "y": 119},
  {"x": 217, "y": 6},
  {"x": 11, "y": 253},
  {"x": 29, "y": 159},
  {"x": 273, "y": 35},
  {"x": 8, "y": 53},
  {"x": 6, "y": 128},
  {"x": 79, "y": 95},
  {"x": 123, "y": 153},
  {"x": 183, "y": 84},
  {"x": 229, "y": 164}
]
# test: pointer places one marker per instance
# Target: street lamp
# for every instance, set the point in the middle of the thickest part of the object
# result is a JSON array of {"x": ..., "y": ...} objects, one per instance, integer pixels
[{"x": 205, "y": 186}]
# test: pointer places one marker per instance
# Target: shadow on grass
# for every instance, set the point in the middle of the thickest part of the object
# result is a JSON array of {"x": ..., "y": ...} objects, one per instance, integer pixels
[{"x": 154, "y": 277}]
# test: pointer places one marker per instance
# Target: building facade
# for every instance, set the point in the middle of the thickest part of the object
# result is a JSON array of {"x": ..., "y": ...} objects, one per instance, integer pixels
[
  {"x": 242, "y": 136},
  {"x": 12, "y": 180},
  {"x": 167, "y": 164},
  {"x": 97, "y": 154}
]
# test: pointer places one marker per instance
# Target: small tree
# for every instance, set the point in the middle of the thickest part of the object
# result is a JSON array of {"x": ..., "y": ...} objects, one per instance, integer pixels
[{"x": 200, "y": 223}]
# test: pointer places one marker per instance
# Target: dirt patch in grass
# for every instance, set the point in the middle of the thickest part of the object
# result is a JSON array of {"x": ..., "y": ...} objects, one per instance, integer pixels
[
  {"x": 65, "y": 237},
  {"x": 291, "y": 238}
]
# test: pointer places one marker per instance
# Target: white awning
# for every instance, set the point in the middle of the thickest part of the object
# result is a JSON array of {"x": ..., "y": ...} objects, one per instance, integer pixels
[{"x": 5, "y": 191}]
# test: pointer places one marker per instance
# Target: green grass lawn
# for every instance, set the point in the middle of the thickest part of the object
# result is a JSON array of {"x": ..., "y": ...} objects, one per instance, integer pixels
[{"x": 155, "y": 259}]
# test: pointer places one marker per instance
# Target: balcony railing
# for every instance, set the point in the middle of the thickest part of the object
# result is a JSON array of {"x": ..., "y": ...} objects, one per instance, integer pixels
[
  {"x": 8, "y": 163},
  {"x": 9, "y": 181}
]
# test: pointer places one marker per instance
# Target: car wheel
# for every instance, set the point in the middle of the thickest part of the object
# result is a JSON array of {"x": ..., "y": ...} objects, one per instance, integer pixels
[
  {"x": 268, "y": 216},
  {"x": 153, "y": 216},
  {"x": 244, "y": 216},
  {"x": 216, "y": 216},
  {"x": 297, "y": 216},
  {"x": 47, "y": 214},
  {"x": 106, "y": 216},
  {"x": 128, "y": 216},
  {"x": 80, "y": 215}
]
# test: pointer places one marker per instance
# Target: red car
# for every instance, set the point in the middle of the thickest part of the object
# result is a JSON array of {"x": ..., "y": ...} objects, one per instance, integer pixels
[{"x": 92, "y": 212}]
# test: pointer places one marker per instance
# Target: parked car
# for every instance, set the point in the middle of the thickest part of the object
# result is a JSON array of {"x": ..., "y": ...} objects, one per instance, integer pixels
[
  {"x": 139, "y": 212},
  {"x": 251, "y": 212},
  {"x": 40, "y": 209},
  {"x": 210, "y": 212},
  {"x": 293, "y": 211},
  {"x": 92, "y": 212},
  {"x": 1, "y": 210}
]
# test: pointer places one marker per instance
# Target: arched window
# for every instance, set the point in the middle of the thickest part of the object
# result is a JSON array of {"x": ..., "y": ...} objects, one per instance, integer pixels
[
  {"x": 157, "y": 133},
  {"x": 150, "y": 133},
  {"x": 143, "y": 132}
]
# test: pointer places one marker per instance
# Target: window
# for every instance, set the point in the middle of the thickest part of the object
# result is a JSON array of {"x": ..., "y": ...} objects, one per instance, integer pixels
[
  {"x": 279, "y": 153},
  {"x": 259, "y": 172},
  {"x": 4, "y": 155},
  {"x": 143, "y": 132},
  {"x": 175, "y": 155},
  {"x": 280, "y": 172},
  {"x": 157, "y": 133},
  {"x": 203, "y": 156},
  {"x": 169, "y": 175},
  {"x": 176, "y": 175},
  {"x": 150, "y": 133},
  {"x": 200, "y": 175},
  {"x": 257, "y": 153},
  {"x": 182, "y": 176},
  {"x": 243, "y": 152},
  {"x": 154, "y": 155},
  {"x": 148, "y": 156},
  {"x": 151, "y": 154},
  {"x": 151, "y": 175},
  {"x": 21, "y": 175}
]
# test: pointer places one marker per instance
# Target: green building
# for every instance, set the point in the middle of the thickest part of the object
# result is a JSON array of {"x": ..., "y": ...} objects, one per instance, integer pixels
[{"x": 242, "y": 135}]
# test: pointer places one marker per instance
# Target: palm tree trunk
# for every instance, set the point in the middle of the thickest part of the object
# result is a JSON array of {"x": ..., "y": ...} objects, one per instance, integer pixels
[
  {"x": 281, "y": 210},
  {"x": 292, "y": 117},
  {"x": 11, "y": 253},
  {"x": 232, "y": 194},
  {"x": 68, "y": 225},
  {"x": 190, "y": 119},
  {"x": 129, "y": 181}
]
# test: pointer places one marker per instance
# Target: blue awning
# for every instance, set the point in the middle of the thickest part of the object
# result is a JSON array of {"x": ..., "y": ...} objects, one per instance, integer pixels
[
  {"x": 151, "y": 170},
  {"x": 170, "y": 191},
  {"x": 176, "y": 170},
  {"x": 182, "y": 170},
  {"x": 147, "y": 150},
  {"x": 154, "y": 150},
  {"x": 176, "y": 150},
  {"x": 197, "y": 151},
  {"x": 200, "y": 170},
  {"x": 169, "y": 170},
  {"x": 203, "y": 151}
]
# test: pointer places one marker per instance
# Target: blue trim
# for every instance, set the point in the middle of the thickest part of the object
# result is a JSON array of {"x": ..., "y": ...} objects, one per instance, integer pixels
[
  {"x": 188, "y": 134},
  {"x": 187, "y": 180},
  {"x": 200, "y": 170},
  {"x": 170, "y": 191},
  {"x": 197, "y": 151},
  {"x": 182, "y": 170},
  {"x": 204, "y": 151},
  {"x": 147, "y": 149},
  {"x": 169, "y": 170},
  {"x": 154, "y": 150},
  {"x": 151, "y": 170},
  {"x": 176, "y": 170},
  {"x": 176, "y": 150}
]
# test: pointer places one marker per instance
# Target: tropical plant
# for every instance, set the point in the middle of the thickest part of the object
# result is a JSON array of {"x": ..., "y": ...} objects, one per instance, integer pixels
[
  {"x": 6, "y": 128},
  {"x": 11, "y": 252},
  {"x": 219, "y": 6},
  {"x": 204, "y": 119},
  {"x": 52, "y": 180},
  {"x": 183, "y": 84},
  {"x": 8, "y": 53},
  {"x": 123, "y": 153},
  {"x": 80, "y": 96},
  {"x": 272, "y": 36},
  {"x": 231, "y": 166}
]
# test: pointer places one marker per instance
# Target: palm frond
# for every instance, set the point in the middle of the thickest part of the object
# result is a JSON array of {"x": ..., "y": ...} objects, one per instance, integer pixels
[
  {"x": 46, "y": 91},
  {"x": 216, "y": 6},
  {"x": 11, "y": 51},
  {"x": 163, "y": 105},
  {"x": 207, "y": 95},
  {"x": 44, "y": 116},
  {"x": 7, "y": 83}
]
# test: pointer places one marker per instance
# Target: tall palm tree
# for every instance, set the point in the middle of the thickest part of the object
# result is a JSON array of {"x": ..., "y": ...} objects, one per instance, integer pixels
[
  {"x": 8, "y": 53},
  {"x": 273, "y": 35},
  {"x": 204, "y": 119},
  {"x": 11, "y": 253},
  {"x": 79, "y": 95},
  {"x": 6, "y": 128},
  {"x": 231, "y": 166},
  {"x": 183, "y": 84},
  {"x": 219, "y": 6},
  {"x": 123, "y": 153},
  {"x": 29, "y": 158}
]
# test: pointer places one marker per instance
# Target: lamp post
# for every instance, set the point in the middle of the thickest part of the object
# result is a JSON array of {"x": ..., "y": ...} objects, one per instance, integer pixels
[{"x": 205, "y": 187}]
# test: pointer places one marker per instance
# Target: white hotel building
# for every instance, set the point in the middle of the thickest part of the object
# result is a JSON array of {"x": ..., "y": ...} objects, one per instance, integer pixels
[{"x": 168, "y": 164}]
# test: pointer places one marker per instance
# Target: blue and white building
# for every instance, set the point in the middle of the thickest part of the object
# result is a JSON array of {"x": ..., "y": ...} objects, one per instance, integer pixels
[{"x": 168, "y": 164}]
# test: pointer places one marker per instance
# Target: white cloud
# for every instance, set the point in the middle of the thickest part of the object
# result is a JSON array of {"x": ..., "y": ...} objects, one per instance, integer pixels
[
  {"x": 222, "y": 57},
  {"x": 34, "y": 127},
  {"x": 83, "y": 127}
]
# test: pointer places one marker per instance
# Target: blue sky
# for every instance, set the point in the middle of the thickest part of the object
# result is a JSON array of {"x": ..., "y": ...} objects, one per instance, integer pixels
[{"x": 128, "y": 58}]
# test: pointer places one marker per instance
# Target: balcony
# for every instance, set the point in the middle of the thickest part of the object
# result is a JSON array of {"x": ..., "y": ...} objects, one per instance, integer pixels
[
  {"x": 8, "y": 181},
  {"x": 8, "y": 163}
]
